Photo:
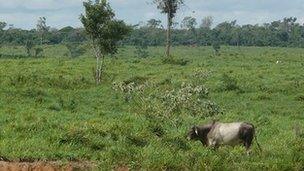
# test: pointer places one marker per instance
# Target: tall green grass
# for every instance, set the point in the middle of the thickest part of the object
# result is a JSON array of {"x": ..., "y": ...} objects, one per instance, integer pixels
[{"x": 50, "y": 108}]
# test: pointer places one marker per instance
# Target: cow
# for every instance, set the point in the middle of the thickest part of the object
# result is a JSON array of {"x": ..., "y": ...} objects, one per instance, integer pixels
[{"x": 217, "y": 134}]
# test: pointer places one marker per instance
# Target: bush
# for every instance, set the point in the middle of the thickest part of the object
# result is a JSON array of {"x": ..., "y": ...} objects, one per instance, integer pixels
[
  {"x": 29, "y": 46},
  {"x": 229, "y": 83},
  {"x": 38, "y": 51},
  {"x": 173, "y": 61},
  {"x": 141, "y": 51},
  {"x": 200, "y": 76},
  {"x": 216, "y": 47},
  {"x": 188, "y": 98},
  {"x": 75, "y": 49},
  {"x": 129, "y": 89}
]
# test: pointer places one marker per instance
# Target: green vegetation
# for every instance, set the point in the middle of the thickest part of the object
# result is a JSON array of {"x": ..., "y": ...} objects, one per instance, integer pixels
[
  {"x": 104, "y": 32},
  {"x": 287, "y": 32},
  {"x": 51, "y": 108},
  {"x": 170, "y": 8}
]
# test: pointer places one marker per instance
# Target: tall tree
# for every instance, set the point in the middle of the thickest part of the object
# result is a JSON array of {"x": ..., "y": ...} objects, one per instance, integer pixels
[
  {"x": 103, "y": 30},
  {"x": 154, "y": 23},
  {"x": 207, "y": 22},
  {"x": 29, "y": 46},
  {"x": 42, "y": 28},
  {"x": 170, "y": 8},
  {"x": 2, "y": 25},
  {"x": 189, "y": 23}
]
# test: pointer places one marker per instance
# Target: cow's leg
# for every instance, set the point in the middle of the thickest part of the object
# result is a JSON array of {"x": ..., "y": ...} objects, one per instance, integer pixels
[
  {"x": 247, "y": 146},
  {"x": 249, "y": 138},
  {"x": 213, "y": 144}
]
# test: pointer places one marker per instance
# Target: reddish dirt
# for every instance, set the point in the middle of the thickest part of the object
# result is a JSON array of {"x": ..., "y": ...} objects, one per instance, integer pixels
[
  {"x": 44, "y": 166},
  {"x": 122, "y": 168}
]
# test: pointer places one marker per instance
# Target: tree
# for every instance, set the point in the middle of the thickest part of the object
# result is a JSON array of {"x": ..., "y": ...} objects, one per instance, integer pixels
[
  {"x": 226, "y": 31},
  {"x": 216, "y": 47},
  {"x": 104, "y": 32},
  {"x": 189, "y": 23},
  {"x": 207, "y": 22},
  {"x": 2, "y": 25},
  {"x": 42, "y": 28},
  {"x": 170, "y": 8},
  {"x": 153, "y": 23},
  {"x": 29, "y": 46}
]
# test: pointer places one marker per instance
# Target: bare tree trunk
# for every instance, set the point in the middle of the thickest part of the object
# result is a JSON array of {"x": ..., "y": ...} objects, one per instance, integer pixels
[
  {"x": 97, "y": 72},
  {"x": 99, "y": 64},
  {"x": 168, "y": 35},
  {"x": 41, "y": 38}
]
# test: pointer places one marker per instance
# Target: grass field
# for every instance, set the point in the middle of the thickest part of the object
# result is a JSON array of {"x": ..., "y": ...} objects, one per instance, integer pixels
[{"x": 51, "y": 109}]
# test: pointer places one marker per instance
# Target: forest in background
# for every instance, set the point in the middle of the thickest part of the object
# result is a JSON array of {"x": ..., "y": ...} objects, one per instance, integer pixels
[{"x": 282, "y": 33}]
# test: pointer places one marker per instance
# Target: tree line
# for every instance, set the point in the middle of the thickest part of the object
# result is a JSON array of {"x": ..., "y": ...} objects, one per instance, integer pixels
[{"x": 283, "y": 33}]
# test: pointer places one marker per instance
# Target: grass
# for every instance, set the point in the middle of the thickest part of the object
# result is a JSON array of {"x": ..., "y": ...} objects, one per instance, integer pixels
[{"x": 50, "y": 108}]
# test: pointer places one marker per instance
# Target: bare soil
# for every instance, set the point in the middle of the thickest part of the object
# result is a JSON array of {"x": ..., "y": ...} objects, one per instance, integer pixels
[{"x": 45, "y": 166}]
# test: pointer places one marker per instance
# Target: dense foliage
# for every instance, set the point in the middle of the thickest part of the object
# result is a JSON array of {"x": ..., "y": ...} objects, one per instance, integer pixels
[
  {"x": 103, "y": 30},
  {"x": 283, "y": 33}
]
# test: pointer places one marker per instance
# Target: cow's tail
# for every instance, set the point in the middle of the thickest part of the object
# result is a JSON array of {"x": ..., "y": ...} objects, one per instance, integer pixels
[{"x": 256, "y": 140}]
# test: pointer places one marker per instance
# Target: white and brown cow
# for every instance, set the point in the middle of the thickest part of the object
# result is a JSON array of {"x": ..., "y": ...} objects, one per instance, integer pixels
[{"x": 217, "y": 134}]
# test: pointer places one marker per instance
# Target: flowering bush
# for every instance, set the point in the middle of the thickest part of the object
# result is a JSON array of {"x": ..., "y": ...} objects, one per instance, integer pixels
[
  {"x": 129, "y": 89},
  {"x": 200, "y": 75},
  {"x": 190, "y": 98}
]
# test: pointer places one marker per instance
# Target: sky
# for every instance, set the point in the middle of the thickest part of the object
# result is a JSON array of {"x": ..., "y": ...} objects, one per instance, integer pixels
[{"x": 60, "y": 13}]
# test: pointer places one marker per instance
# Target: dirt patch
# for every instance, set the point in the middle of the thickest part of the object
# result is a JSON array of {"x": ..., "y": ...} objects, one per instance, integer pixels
[
  {"x": 122, "y": 168},
  {"x": 45, "y": 166}
]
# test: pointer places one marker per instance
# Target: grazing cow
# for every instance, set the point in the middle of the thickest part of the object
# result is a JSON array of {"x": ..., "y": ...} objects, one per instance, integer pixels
[{"x": 217, "y": 134}]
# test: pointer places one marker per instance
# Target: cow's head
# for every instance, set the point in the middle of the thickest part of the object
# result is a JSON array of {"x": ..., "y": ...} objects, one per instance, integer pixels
[
  {"x": 200, "y": 133},
  {"x": 193, "y": 133}
]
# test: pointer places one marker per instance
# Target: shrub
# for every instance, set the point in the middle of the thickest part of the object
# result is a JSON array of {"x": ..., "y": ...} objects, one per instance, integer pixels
[
  {"x": 200, "y": 76},
  {"x": 38, "y": 51},
  {"x": 129, "y": 89},
  {"x": 216, "y": 47},
  {"x": 136, "y": 80},
  {"x": 173, "y": 61},
  {"x": 29, "y": 46},
  {"x": 141, "y": 51},
  {"x": 75, "y": 49},
  {"x": 188, "y": 98},
  {"x": 229, "y": 83}
]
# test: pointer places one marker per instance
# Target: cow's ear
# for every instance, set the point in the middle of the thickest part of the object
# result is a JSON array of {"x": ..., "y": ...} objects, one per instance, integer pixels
[{"x": 195, "y": 130}]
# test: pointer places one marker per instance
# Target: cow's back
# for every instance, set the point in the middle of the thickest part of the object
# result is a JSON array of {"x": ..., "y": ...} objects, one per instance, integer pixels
[{"x": 226, "y": 133}]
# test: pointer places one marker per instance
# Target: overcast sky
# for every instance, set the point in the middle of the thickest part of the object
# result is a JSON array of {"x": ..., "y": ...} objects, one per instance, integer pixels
[{"x": 60, "y": 13}]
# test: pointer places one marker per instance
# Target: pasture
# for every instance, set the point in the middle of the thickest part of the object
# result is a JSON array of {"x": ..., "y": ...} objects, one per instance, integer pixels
[{"x": 52, "y": 110}]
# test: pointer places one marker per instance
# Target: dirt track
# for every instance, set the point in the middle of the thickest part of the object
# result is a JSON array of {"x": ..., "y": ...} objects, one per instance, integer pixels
[{"x": 44, "y": 166}]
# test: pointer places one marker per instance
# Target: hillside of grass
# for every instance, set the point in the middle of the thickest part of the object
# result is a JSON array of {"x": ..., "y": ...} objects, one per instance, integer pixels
[{"x": 51, "y": 109}]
